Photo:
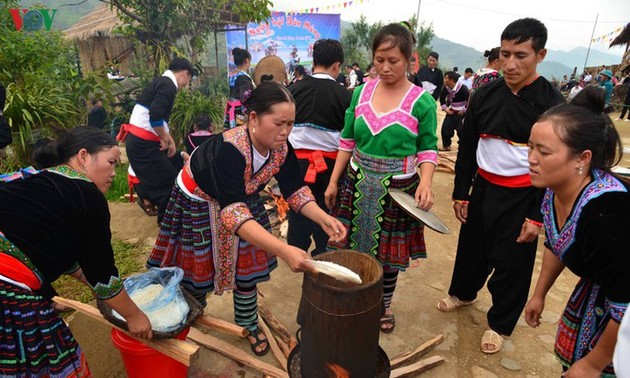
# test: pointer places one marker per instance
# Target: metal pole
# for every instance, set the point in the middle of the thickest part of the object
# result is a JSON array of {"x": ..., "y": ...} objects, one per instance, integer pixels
[
  {"x": 418, "y": 16},
  {"x": 590, "y": 42},
  {"x": 216, "y": 50}
]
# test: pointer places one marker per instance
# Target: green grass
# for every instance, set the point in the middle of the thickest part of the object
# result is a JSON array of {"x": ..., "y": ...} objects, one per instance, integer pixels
[
  {"x": 119, "y": 187},
  {"x": 126, "y": 256}
]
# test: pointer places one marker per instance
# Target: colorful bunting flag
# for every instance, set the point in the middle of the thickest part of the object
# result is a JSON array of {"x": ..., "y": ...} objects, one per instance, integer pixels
[
  {"x": 608, "y": 36},
  {"x": 331, "y": 7}
]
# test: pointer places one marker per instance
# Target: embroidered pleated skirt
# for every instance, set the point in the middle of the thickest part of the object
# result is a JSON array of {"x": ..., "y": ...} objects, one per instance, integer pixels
[
  {"x": 185, "y": 240},
  {"x": 582, "y": 323},
  {"x": 34, "y": 340},
  {"x": 374, "y": 223}
]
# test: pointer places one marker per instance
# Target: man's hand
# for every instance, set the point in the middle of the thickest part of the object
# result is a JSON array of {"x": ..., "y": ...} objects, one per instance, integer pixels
[
  {"x": 529, "y": 233},
  {"x": 461, "y": 211},
  {"x": 167, "y": 143}
]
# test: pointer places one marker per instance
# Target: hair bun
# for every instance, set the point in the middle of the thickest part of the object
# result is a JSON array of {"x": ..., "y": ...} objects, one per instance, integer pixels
[
  {"x": 592, "y": 98},
  {"x": 266, "y": 77},
  {"x": 486, "y": 53},
  {"x": 45, "y": 154}
]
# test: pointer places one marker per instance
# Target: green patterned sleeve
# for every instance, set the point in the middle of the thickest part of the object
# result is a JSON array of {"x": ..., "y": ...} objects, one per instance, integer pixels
[
  {"x": 346, "y": 142},
  {"x": 426, "y": 143}
]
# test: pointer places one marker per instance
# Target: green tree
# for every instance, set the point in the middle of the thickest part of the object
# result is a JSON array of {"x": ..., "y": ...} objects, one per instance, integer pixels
[
  {"x": 45, "y": 93},
  {"x": 180, "y": 27},
  {"x": 357, "y": 40},
  {"x": 424, "y": 36}
]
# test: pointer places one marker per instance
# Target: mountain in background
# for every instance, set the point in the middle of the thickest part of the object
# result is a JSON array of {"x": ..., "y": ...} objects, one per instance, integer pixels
[
  {"x": 454, "y": 54},
  {"x": 556, "y": 64},
  {"x": 576, "y": 57}
]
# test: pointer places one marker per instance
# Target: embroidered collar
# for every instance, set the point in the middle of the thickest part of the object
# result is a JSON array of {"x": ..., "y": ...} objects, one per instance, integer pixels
[
  {"x": 561, "y": 240},
  {"x": 201, "y": 133},
  {"x": 401, "y": 115},
  {"x": 240, "y": 139},
  {"x": 68, "y": 172}
]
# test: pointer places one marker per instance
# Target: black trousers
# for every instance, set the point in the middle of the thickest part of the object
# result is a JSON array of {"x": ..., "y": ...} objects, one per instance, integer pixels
[
  {"x": 156, "y": 171},
  {"x": 487, "y": 246},
  {"x": 626, "y": 105},
  {"x": 300, "y": 227},
  {"x": 451, "y": 124}
]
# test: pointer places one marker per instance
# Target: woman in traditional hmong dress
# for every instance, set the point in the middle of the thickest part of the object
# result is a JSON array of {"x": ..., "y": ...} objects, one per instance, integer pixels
[
  {"x": 54, "y": 222},
  {"x": 389, "y": 130},
  {"x": 239, "y": 82},
  {"x": 585, "y": 211},
  {"x": 488, "y": 73},
  {"x": 216, "y": 227}
]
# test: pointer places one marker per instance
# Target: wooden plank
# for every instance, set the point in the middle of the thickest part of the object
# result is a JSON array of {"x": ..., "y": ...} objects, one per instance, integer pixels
[
  {"x": 275, "y": 349},
  {"x": 179, "y": 350},
  {"x": 417, "y": 353},
  {"x": 234, "y": 353},
  {"x": 221, "y": 325},
  {"x": 278, "y": 327},
  {"x": 285, "y": 348},
  {"x": 417, "y": 368}
]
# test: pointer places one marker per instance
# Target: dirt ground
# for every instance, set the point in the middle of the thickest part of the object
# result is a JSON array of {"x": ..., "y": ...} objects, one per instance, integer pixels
[{"x": 527, "y": 353}]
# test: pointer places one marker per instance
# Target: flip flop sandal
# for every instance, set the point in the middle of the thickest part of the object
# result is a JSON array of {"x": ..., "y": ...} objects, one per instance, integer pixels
[
  {"x": 256, "y": 334},
  {"x": 452, "y": 303},
  {"x": 148, "y": 209},
  {"x": 491, "y": 338},
  {"x": 388, "y": 319}
]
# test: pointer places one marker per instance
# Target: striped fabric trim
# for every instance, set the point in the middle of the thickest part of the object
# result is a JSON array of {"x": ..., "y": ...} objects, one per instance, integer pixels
[
  {"x": 299, "y": 198},
  {"x": 314, "y": 126}
]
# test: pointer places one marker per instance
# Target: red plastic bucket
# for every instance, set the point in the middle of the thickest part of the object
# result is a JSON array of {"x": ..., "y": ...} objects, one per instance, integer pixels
[{"x": 141, "y": 361}]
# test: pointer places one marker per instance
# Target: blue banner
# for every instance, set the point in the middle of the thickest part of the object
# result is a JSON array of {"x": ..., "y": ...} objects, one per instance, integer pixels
[{"x": 289, "y": 36}]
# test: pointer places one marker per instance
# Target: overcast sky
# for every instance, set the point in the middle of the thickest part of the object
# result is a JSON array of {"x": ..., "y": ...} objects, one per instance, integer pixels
[{"x": 479, "y": 23}]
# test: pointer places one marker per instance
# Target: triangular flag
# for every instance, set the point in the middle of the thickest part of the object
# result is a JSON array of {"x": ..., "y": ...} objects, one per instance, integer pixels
[
  {"x": 345, "y": 5},
  {"x": 316, "y": 10},
  {"x": 350, "y": 3}
]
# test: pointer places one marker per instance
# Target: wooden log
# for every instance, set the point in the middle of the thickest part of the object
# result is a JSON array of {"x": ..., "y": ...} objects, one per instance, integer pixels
[
  {"x": 419, "y": 352},
  {"x": 285, "y": 348},
  {"x": 179, "y": 350},
  {"x": 234, "y": 353},
  {"x": 221, "y": 325},
  {"x": 275, "y": 349},
  {"x": 417, "y": 368},
  {"x": 340, "y": 320},
  {"x": 277, "y": 326}
]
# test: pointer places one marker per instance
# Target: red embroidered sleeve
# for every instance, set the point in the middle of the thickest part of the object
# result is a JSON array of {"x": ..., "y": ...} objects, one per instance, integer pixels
[
  {"x": 299, "y": 198},
  {"x": 234, "y": 215}
]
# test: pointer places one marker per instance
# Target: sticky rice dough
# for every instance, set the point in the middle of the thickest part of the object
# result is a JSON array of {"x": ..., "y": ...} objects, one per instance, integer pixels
[{"x": 163, "y": 318}]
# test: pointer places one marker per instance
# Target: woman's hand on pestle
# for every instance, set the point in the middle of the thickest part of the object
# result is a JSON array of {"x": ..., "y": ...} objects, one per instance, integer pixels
[{"x": 297, "y": 259}]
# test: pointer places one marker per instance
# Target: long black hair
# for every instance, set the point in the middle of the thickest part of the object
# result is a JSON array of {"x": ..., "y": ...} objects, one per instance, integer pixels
[
  {"x": 49, "y": 153},
  {"x": 583, "y": 125}
]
